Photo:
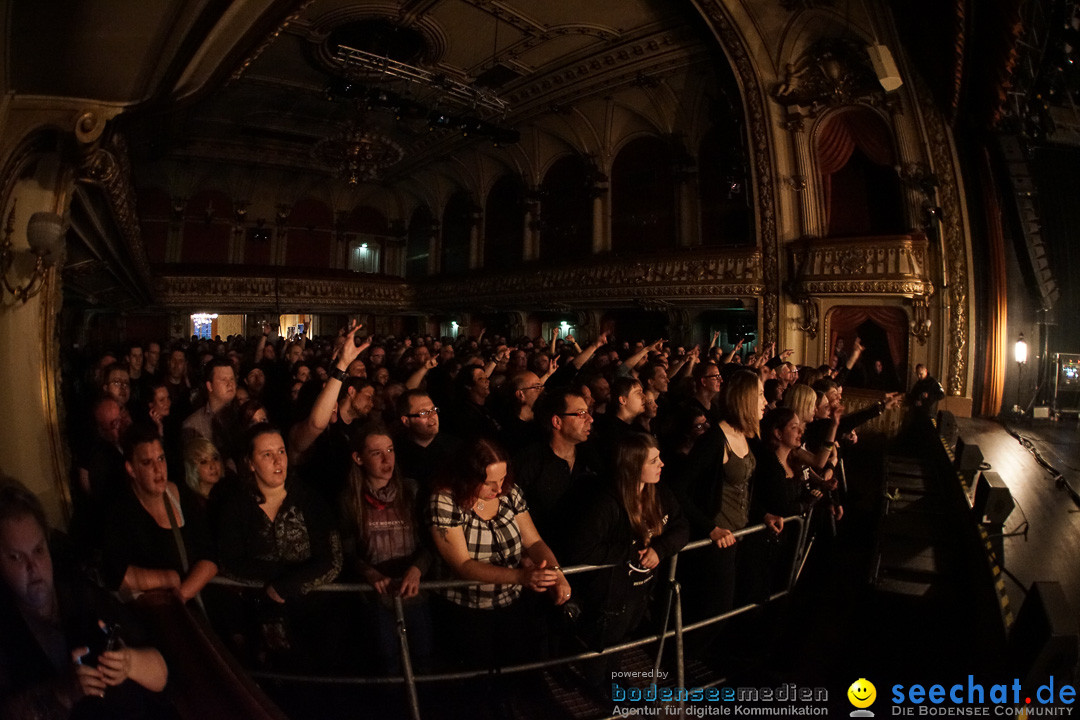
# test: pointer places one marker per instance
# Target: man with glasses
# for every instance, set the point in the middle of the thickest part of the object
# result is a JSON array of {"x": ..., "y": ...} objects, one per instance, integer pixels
[
  {"x": 423, "y": 450},
  {"x": 553, "y": 472},
  {"x": 116, "y": 383},
  {"x": 707, "y": 382},
  {"x": 520, "y": 428}
]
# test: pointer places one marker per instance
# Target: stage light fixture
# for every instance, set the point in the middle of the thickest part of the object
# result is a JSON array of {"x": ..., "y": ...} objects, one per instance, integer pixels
[{"x": 1020, "y": 351}]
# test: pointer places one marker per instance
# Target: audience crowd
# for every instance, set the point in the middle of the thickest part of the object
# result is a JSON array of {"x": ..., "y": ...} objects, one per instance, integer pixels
[{"x": 291, "y": 463}]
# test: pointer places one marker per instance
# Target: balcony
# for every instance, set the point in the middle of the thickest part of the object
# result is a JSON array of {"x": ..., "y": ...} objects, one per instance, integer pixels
[
  {"x": 688, "y": 277},
  {"x": 891, "y": 266}
]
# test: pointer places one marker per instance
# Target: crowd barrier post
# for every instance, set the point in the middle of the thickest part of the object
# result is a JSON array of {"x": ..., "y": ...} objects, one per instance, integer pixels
[
  {"x": 406, "y": 659},
  {"x": 667, "y": 612},
  {"x": 673, "y": 603}
]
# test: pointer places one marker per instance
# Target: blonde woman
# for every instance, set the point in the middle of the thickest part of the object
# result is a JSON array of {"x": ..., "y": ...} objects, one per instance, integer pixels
[
  {"x": 203, "y": 468},
  {"x": 717, "y": 492}
]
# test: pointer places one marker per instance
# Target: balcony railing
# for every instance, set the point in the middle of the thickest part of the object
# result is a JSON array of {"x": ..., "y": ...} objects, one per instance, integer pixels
[
  {"x": 893, "y": 265},
  {"x": 686, "y": 277}
]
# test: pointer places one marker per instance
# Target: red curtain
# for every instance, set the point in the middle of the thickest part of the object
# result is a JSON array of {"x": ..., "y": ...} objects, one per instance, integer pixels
[
  {"x": 839, "y": 136},
  {"x": 844, "y": 322}
]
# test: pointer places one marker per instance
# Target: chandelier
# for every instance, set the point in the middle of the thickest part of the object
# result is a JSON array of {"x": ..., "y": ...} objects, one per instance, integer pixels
[{"x": 358, "y": 153}]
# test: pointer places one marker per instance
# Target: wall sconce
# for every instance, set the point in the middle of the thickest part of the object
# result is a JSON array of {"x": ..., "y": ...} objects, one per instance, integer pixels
[{"x": 45, "y": 235}]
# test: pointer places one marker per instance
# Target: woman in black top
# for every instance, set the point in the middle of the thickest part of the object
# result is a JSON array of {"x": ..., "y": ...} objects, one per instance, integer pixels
[
  {"x": 716, "y": 489},
  {"x": 141, "y": 549},
  {"x": 277, "y": 533},
  {"x": 634, "y": 523}
]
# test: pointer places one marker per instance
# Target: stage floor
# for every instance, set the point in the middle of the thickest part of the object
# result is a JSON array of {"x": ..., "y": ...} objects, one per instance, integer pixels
[{"x": 1045, "y": 509}]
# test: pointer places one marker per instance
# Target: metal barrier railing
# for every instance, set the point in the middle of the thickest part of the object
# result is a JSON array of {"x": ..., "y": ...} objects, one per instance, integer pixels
[{"x": 673, "y": 601}]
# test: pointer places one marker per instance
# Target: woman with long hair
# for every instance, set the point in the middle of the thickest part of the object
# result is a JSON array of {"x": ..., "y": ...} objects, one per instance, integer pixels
[
  {"x": 381, "y": 539},
  {"x": 717, "y": 492},
  {"x": 277, "y": 533},
  {"x": 483, "y": 531},
  {"x": 634, "y": 523}
]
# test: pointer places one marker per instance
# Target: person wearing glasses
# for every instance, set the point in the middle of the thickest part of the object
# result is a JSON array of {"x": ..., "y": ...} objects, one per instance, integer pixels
[
  {"x": 423, "y": 449},
  {"x": 688, "y": 423},
  {"x": 633, "y": 522},
  {"x": 116, "y": 383},
  {"x": 554, "y": 471},
  {"x": 707, "y": 382},
  {"x": 520, "y": 428}
]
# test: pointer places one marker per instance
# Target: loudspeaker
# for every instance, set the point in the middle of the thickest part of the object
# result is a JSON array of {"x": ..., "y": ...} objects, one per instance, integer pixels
[
  {"x": 968, "y": 458},
  {"x": 946, "y": 425},
  {"x": 884, "y": 67},
  {"x": 1043, "y": 640},
  {"x": 993, "y": 502}
]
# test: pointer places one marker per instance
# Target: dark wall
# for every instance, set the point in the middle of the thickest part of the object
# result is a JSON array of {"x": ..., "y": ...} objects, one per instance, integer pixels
[{"x": 1057, "y": 174}]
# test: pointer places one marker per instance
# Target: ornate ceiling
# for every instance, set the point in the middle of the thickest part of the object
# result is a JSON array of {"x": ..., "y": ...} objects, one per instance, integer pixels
[{"x": 488, "y": 69}]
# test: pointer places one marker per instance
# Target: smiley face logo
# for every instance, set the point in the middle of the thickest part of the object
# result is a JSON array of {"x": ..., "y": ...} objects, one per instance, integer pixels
[{"x": 862, "y": 693}]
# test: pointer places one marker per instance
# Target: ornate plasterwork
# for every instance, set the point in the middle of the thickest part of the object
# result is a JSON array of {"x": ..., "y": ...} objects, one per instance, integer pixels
[
  {"x": 269, "y": 39},
  {"x": 954, "y": 244},
  {"x": 833, "y": 71},
  {"x": 893, "y": 265},
  {"x": 758, "y": 122},
  {"x": 103, "y": 162},
  {"x": 692, "y": 279},
  {"x": 659, "y": 285},
  {"x": 259, "y": 293}
]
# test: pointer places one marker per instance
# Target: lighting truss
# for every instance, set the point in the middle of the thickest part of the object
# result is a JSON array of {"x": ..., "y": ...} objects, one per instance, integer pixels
[{"x": 361, "y": 62}]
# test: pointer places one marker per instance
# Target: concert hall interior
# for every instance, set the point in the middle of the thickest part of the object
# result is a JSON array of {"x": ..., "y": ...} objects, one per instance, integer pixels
[{"x": 872, "y": 194}]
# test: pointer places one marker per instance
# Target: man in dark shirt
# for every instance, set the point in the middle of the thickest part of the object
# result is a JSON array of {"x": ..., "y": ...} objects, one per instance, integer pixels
[
  {"x": 45, "y": 632},
  {"x": 422, "y": 450},
  {"x": 520, "y": 428},
  {"x": 552, "y": 472},
  {"x": 473, "y": 418}
]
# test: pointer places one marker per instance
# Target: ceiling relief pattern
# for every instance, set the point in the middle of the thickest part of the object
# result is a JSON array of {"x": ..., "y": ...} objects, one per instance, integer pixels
[{"x": 104, "y": 164}]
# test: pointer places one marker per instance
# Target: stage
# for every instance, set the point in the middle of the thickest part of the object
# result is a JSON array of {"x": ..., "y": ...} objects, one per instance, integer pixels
[{"x": 1041, "y": 537}]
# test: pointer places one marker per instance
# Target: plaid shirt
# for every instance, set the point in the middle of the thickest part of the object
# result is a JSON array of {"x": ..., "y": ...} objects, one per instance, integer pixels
[{"x": 496, "y": 541}]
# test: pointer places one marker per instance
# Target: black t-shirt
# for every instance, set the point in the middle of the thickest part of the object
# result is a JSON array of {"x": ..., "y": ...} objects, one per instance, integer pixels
[{"x": 34, "y": 661}]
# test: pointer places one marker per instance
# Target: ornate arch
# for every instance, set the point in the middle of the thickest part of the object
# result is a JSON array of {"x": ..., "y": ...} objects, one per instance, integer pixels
[{"x": 724, "y": 28}]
